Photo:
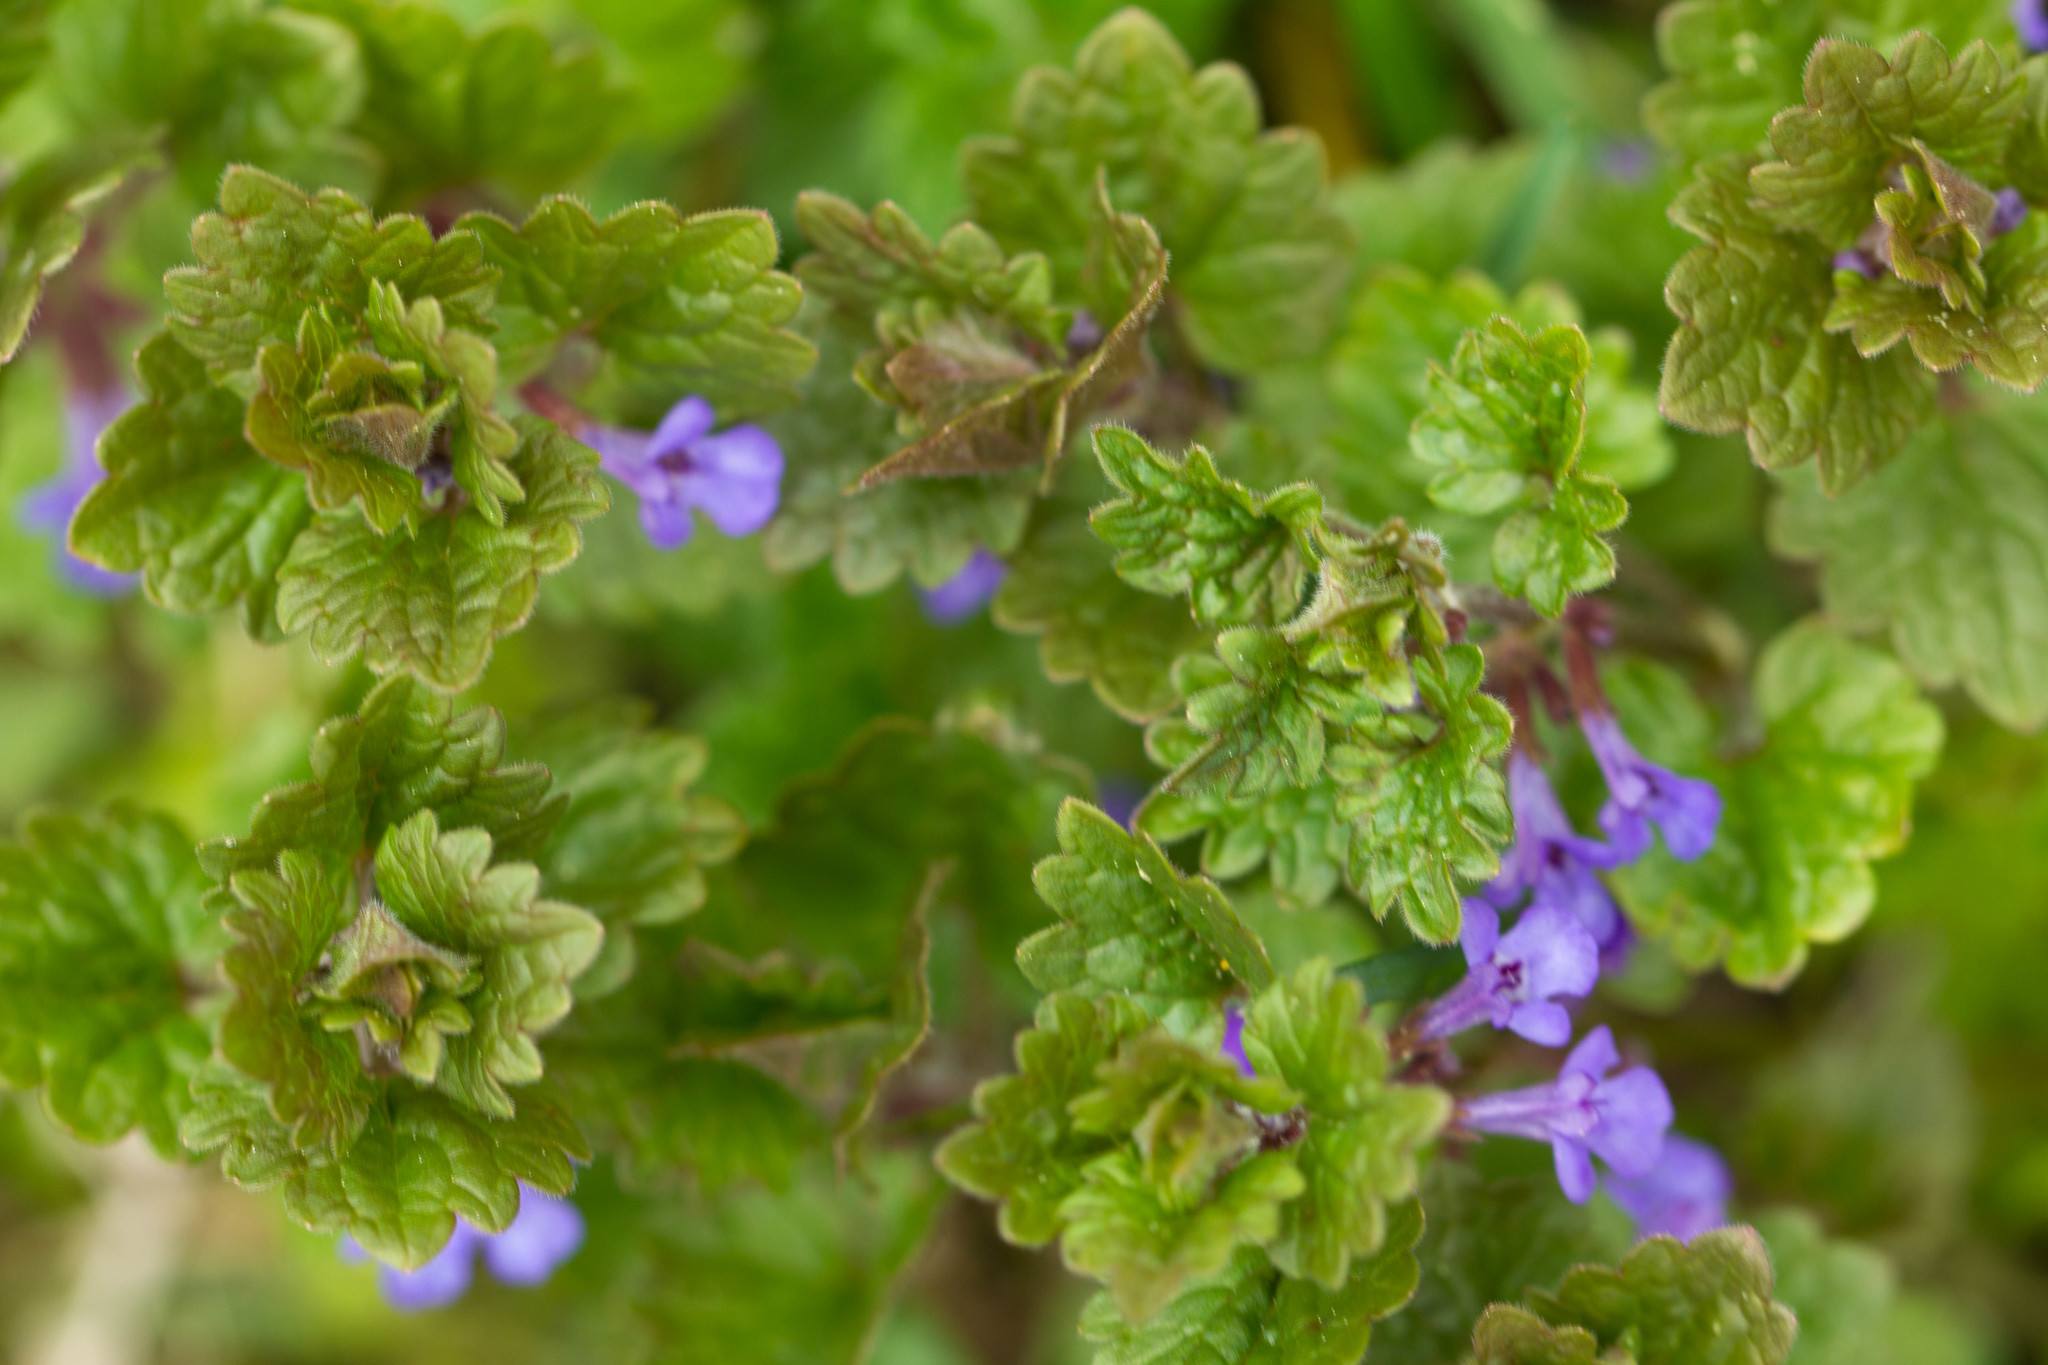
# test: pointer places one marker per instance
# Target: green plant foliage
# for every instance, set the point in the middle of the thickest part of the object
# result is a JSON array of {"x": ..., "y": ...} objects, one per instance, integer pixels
[
  {"x": 1258, "y": 255},
  {"x": 1667, "y": 1301},
  {"x": 102, "y": 934}
]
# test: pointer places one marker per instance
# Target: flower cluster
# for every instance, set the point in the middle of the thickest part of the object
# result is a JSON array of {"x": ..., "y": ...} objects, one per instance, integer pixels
[{"x": 1567, "y": 927}]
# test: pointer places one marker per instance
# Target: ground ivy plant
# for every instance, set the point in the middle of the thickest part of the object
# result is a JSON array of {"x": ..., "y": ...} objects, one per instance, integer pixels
[{"x": 1314, "y": 989}]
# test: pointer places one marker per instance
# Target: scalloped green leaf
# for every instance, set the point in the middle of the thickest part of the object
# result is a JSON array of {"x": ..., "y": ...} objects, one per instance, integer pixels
[
  {"x": 1132, "y": 923},
  {"x": 1254, "y": 1315},
  {"x": 1144, "y": 1248},
  {"x": 1295, "y": 833},
  {"x": 185, "y": 501},
  {"x": 103, "y": 939},
  {"x": 1503, "y": 429},
  {"x": 1259, "y": 256},
  {"x": 1428, "y": 806},
  {"x": 1364, "y": 1132},
  {"x": 419, "y": 1162},
  {"x": 1734, "y": 64},
  {"x": 1667, "y": 1303},
  {"x": 433, "y": 604},
  {"x": 271, "y": 251},
  {"x": 630, "y": 312},
  {"x": 430, "y": 966},
  {"x": 1967, "y": 496},
  {"x": 1750, "y": 353},
  {"x": 406, "y": 749},
  {"x": 1862, "y": 109},
  {"x": 1828, "y": 790},
  {"x": 1402, "y": 320},
  {"x": 1181, "y": 528},
  {"x": 1023, "y": 1150},
  {"x": 2000, "y": 330}
]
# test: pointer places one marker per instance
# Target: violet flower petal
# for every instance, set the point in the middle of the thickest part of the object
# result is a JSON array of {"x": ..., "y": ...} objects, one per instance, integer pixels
[
  {"x": 1233, "y": 1041},
  {"x": 667, "y": 523},
  {"x": 547, "y": 1231},
  {"x": 966, "y": 592},
  {"x": 1685, "y": 1194},
  {"x": 440, "y": 1281},
  {"x": 681, "y": 427},
  {"x": 736, "y": 477},
  {"x": 2030, "y": 17}
]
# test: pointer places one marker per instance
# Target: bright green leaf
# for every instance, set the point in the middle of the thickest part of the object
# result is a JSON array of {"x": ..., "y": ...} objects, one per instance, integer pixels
[{"x": 1133, "y": 924}]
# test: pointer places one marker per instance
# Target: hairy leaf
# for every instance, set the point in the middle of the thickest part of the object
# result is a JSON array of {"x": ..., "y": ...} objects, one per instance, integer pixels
[
  {"x": 1023, "y": 1149},
  {"x": 1427, "y": 805},
  {"x": 1182, "y": 528},
  {"x": 1503, "y": 429},
  {"x": 1751, "y": 355},
  {"x": 1735, "y": 63},
  {"x": 272, "y": 251}
]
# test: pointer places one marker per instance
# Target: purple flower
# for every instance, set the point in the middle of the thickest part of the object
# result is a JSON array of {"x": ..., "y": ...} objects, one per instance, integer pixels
[
  {"x": 48, "y": 508},
  {"x": 545, "y": 1232},
  {"x": 966, "y": 592},
  {"x": 1233, "y": 1041},
  {"x": 734, "y": 475},
  {"x": 1683, "y": 1195},
  {"x": 1513, "y": 976},
  {"x": 1584, "y": 1113},
  {"x": 2009, "y": 212},
  {"x": 2030, "y": 17},
  {"x": 1549, "y": 861},
  {"x": 1859, "y": 260},
  {"x": 1640, "y": 793}
]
